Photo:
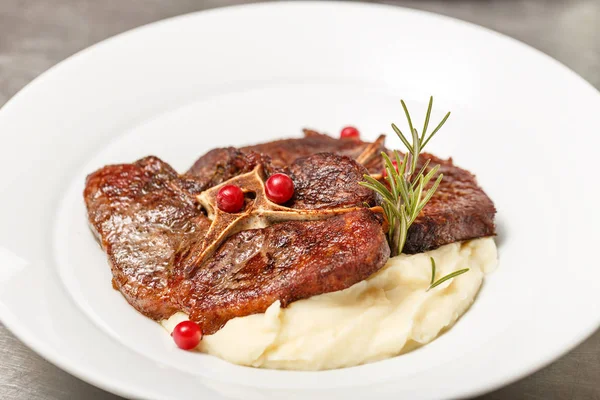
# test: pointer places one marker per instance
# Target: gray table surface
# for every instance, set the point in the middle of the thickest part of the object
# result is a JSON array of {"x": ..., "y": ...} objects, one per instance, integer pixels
[{"x": 36, "y": 34}]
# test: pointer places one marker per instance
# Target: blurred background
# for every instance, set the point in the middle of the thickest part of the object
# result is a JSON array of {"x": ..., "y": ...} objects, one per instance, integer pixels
[{"x": 36, "y": 34}]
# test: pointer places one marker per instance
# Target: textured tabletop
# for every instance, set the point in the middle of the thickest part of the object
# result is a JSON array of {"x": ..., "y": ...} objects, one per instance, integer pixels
[{"x": 36, "y": 34}]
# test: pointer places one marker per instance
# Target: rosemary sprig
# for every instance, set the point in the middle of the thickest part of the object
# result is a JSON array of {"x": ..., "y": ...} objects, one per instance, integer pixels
[
  {"x": 451, "y": 275},
  {"x": 406, "y": 193}
]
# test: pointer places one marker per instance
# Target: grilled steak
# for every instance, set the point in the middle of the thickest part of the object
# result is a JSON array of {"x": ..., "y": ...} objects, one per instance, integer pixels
[{"x": 149, "y": 221}]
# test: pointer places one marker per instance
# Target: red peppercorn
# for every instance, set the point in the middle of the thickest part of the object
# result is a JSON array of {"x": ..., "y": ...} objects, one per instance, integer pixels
[
  {"x": 395, "y": 164},
  {"x": 187, "y": 335},
  {"x": 230, "y": 199},
  {"x": 279, "y": 188},
  {"x": 349, "y": 132}
]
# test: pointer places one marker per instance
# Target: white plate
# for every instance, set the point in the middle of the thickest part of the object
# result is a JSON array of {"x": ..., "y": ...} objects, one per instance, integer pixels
[{"x": 524, "y": 123}]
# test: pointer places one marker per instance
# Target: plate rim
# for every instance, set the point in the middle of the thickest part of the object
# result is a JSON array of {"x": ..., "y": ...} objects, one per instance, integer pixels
[{"x": 64, "y": 362}]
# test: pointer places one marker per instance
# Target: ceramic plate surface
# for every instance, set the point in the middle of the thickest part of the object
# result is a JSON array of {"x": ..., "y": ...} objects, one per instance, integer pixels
[{"x": 525, "y": 124}]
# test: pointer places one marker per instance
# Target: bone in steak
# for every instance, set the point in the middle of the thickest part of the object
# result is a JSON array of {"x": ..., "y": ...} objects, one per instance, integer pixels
[
  {"x": 288, "y": 261},
  {"x": 310, "y": 174},
  {"x": 150, "y": 222}
]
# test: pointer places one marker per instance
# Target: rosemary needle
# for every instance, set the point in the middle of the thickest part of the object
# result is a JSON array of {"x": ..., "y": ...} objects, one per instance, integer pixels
[
  {"x": 406, "y": 193},
  {"x": 451, "y": 275}
]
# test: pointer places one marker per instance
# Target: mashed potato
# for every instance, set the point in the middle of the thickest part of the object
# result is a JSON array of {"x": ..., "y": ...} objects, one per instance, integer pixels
[{"x": 390, "y": 313}]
